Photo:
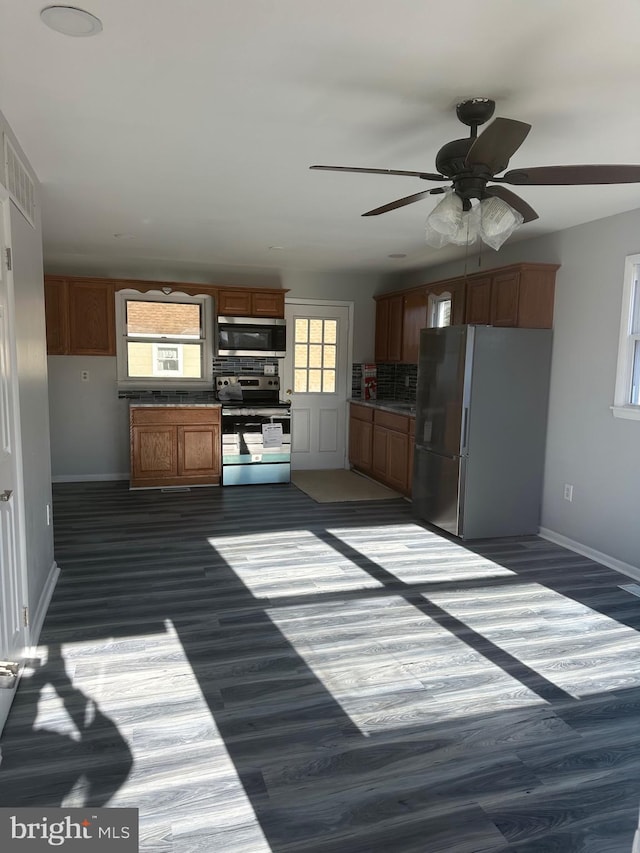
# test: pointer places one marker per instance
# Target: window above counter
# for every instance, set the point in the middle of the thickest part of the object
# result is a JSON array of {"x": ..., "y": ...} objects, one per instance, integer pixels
[{"x": 164, "y": 340}]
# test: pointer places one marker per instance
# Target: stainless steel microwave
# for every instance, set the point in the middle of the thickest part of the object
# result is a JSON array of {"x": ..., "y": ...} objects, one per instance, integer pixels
[{"x": 257, "y": 336}]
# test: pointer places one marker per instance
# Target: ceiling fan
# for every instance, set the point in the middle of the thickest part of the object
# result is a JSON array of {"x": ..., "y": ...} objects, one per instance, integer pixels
[{"x": 473, "y": 164}]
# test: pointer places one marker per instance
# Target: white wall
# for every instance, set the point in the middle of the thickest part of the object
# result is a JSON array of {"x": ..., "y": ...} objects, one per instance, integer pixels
[
  {"x": 586, "y": 446},
  {"x": 32, "y": 381},
  {"x": 348, "y": 287},
  {"x": 89, "y": 424}
]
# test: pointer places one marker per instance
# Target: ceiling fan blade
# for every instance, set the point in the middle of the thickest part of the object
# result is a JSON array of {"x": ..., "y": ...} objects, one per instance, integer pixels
[
  {"x": 567, "y": 175},
  {"x": 497, "y": 143},
  {"x": 427, "y": 176},
  {"x": 514, "y": 201},
  {"x": 400, "y": 202}
]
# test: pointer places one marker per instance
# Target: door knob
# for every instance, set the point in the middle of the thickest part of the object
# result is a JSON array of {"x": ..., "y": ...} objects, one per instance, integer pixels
[
  {"x": 289, "y": 391},
  {"x": 6, "y": 495}
]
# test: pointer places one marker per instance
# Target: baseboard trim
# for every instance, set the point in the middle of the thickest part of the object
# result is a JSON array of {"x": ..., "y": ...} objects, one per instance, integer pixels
[
  {"x": 37, "y": 618},
  {"x": 591, "y": 553},
  {"x": 87, "y": 478}
]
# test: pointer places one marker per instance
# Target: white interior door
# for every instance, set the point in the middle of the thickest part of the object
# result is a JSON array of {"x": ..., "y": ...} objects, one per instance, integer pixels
[
  {"x": 315, "y": 378},
  {"x": 12, "y": 631}
]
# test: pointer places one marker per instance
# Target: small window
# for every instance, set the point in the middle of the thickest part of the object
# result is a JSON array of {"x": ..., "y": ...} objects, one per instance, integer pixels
[
  {"x": 164, "y": 340},
  {"x": 315, "y": 346},
  {"x": 626, "y": 402},
  {"x": 439, "y": 308}
]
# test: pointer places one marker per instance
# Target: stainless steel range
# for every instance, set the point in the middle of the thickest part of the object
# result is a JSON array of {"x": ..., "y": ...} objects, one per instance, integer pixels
[{"x": 256, "y": 430}]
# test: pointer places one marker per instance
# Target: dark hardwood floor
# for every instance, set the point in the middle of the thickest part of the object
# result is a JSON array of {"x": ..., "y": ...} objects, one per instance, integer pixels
[{"x": 257, "y": 672}]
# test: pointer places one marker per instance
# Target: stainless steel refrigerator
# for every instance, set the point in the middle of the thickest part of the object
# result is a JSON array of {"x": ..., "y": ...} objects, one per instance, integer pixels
[{"x": 481, "y": 418}]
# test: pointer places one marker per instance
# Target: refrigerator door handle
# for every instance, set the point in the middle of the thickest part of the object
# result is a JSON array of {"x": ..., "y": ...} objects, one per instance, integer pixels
[
  {"x": 427, "y": 448},
  {"x": 465, "y": 425}
]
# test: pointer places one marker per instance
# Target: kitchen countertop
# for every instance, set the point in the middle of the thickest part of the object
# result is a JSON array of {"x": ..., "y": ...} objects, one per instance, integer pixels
[
  {"x": 161, "y": 404},
  {"x": 398, "y": 407}
]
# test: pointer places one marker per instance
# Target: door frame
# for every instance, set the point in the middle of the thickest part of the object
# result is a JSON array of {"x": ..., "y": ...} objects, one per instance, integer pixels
[
  {"x": 349, "y": 305},
  {"x": 21, "y": 577}
]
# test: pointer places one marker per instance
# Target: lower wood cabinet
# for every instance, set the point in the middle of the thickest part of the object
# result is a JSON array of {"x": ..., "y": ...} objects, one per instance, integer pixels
[
  {"x": 175, "y": 446},
  {"x": 360, "y": 437},
  {"x": 381, "y": 445},
  {"x": 390, "y": 456}
]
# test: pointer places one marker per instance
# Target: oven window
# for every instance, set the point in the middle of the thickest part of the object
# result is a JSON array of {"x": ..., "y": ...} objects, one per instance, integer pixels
[{"x": 315, "y": 355}]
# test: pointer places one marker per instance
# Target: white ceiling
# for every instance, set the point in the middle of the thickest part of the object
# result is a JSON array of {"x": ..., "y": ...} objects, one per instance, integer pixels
[{"x": 188, "y": 127}]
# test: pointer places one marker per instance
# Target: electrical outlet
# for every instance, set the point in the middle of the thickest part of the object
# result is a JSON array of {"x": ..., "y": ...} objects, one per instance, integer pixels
[
  {"x": 84, "y": 375},
  {"x": 269, "y": 370},
  {"x": 568, "y": 492}
]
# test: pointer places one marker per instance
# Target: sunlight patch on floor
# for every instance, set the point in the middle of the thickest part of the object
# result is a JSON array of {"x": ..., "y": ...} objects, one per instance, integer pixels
[
  {"x": 535, "y": 624},
  {"x": 103, "y": 681},
  {"x": 289, "y": 563},
  {"x": 389, "y": 666}
]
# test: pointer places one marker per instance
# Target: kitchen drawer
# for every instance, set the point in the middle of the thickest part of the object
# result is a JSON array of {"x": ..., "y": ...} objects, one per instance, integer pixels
[
  {"x": 181, "y": 415},
  {"x": 398, "y": 423},
  {"x": 362, "y": 413}
]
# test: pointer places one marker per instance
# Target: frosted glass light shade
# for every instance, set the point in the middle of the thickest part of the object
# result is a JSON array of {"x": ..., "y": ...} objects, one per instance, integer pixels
[{"x": 492, "y": 220}]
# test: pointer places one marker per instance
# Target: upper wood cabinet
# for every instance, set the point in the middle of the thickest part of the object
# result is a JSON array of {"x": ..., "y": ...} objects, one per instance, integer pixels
[
  {"x": 80, "y": 316},
  {"x": 56, "y": 311},
  {"x": 414, "y": 318},
  {"x": 519, "y": 295},
  {"x": 478, "y": 301},
  {"x": 516, "y": 295},
  {"x": 389, "y": 322},
  {"x": 238, "y": 302},
  {"x": 80, "y": 311},
  {"x": 92, "y": 318},
  {"x": 524, "y": 297}
]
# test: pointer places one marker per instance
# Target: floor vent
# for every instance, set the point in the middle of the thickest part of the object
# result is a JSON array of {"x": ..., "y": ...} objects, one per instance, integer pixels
[
  {"x": 633, "y": 588},
  {"x": 18, "y": 181}
]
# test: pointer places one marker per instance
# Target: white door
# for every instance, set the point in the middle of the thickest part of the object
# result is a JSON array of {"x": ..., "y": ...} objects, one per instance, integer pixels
[
  {"x": 316, "y": 379},
  {"x": 12, "y": 631}
]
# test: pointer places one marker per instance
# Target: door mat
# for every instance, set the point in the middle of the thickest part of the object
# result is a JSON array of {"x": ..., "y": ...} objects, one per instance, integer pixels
[{"x": 336, "y": 485}]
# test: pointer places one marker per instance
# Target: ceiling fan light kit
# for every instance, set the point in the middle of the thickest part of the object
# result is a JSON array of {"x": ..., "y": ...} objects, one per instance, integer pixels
[
  {"x": 474, "y": 206},
  {"x": 491, "y": 220}
]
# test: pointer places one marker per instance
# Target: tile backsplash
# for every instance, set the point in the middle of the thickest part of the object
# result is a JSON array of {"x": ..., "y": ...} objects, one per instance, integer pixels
[
  {"x": 240, "y": 366},
  {"x": 395, "y": 381}
]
